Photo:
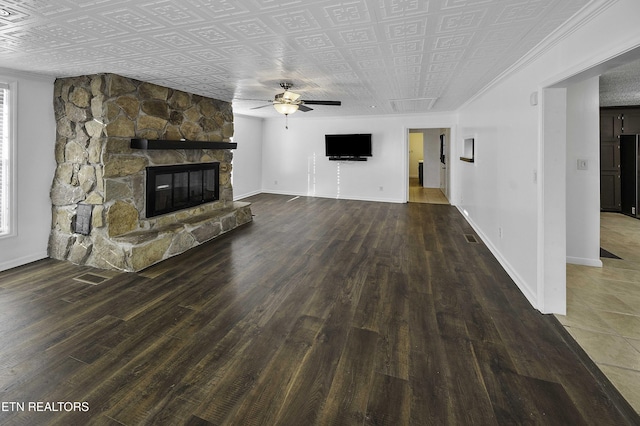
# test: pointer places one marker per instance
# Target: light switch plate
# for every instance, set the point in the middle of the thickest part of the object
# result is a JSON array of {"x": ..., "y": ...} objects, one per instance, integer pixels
[{"x": 583, "y": 164}]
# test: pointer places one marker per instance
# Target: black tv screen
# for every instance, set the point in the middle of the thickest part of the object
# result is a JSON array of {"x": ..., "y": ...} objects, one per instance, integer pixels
[{"x": 352, "y": 145}]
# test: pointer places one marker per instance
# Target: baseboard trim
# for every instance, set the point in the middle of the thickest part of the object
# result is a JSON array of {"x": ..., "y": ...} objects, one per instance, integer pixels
[
  {"x": 584, "y": 261},
  {"x": 14, "y": 263},
  {"x": 249, "y": 194},
  {"x": 517, "y": 279},
  {"x": 333, "y": 196}
]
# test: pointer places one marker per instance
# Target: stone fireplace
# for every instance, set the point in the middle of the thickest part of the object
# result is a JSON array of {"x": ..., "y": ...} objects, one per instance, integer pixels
[{"x": 111, "y": 131}]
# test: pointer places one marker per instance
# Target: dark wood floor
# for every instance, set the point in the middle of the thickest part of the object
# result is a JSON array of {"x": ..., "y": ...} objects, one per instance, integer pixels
[{"x": 321, "y": 311}]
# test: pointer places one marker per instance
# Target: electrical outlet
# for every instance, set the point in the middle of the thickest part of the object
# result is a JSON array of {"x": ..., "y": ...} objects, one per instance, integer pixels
[
  {"x": 500, "y": 232},
  {"x": 275, "y": 182},
  {"x": 381, "y": 188}
]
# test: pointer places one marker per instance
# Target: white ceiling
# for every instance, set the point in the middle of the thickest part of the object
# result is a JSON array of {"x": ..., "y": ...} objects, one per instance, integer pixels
[
  {"x": 401, "y": 56},
  {"x": 621, "y": 85}
]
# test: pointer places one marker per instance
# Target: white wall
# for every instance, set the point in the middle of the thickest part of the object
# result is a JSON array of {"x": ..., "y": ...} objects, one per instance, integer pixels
[
  {"x": 294, "y": 160},
  {"x": 416, "y": 153},
  {"x": 431, "y": 158},
  {"x": 497, "y": 191},
  {"x": 551, "y": 286},
  {"x": 36, "y": 137},
  {"x": 247, "y": 158},
  {"x": 583, "y": 186},
  {"x": 503, "y": 191}
]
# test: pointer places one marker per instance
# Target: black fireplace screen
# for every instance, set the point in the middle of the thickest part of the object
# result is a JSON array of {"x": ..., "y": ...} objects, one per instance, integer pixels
[{"x": 171, "y": 188}]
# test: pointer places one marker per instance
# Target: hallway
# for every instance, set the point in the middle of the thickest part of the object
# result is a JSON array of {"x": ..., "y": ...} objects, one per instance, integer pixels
[
  {"x": 603, "y": 306},
  {"x": 419, "y": 194}
]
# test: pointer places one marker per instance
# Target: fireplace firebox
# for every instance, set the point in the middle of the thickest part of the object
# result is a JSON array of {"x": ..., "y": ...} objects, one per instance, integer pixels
[{"x": 177, "y": 187}]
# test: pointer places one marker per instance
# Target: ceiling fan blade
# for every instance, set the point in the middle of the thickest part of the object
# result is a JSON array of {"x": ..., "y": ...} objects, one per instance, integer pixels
[
  {"x": 334, "y": 103},
  {"x": 304, "y": 108},
  {"x": 252, "y": 99},
  {"x": 261, "y": 106}
]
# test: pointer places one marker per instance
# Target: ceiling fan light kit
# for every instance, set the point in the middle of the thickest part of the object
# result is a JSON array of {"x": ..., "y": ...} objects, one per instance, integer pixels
[
  {"x": 288, "y": 102},
  {"x": 285, "y": 109},
  {"x": 289, "y": 96}
]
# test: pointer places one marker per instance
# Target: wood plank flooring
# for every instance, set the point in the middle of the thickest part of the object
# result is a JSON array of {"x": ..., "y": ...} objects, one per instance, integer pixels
[
  {"x": 321, "y": 311},
  {"x": 419, "y": 194}
]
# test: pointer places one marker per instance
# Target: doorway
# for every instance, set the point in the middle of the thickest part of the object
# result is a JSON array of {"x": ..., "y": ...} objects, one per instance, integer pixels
[
  {"x": 600, "y": 311},
  {"x": 428, "y": 174}
]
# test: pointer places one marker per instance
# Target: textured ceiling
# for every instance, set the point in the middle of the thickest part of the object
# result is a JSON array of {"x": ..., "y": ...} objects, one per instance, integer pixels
[
  {"x": 401, "y": 56},
  {"x": 621, "y": 86}
]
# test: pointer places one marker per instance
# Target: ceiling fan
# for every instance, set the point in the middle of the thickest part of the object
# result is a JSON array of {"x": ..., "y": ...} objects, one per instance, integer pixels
[{"x": 289, "y": 102}]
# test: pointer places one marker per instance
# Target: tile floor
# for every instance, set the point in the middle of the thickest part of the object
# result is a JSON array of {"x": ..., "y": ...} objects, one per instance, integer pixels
[{"x": 603, "y": 306}]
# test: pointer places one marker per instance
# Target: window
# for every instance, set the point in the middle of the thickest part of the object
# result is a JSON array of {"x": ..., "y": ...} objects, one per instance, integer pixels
[{"x": 6, "y": 156}]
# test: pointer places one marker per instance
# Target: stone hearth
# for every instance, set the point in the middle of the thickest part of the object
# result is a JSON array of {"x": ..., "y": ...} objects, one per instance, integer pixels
[{"x": 100, "y": 178}]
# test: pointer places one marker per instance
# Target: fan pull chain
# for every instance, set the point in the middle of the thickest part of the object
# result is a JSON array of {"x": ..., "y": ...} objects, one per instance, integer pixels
[{"x": 286, "y": 121}]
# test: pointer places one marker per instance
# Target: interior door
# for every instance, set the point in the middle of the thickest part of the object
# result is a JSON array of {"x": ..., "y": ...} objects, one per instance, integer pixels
[
  {"x": 610, "y": 191},
  {"x": 443, "y": 163}
]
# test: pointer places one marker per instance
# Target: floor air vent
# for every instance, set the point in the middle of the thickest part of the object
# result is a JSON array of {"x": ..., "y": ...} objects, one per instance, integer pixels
[
  {"x": 91, "y": 279},
  {"x": 470, "y": 238}
]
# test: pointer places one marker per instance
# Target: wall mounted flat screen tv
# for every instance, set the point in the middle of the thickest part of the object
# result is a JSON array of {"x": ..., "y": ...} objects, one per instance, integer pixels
[{"x": 348, "y": 146}]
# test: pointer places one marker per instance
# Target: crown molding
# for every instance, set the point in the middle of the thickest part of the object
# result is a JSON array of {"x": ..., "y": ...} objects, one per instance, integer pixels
[
  {"x": 579, "y": 19},
  {"x": 13, "y": 73}
]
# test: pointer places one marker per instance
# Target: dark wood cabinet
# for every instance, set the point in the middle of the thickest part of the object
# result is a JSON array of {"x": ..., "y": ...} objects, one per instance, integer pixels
[
  {"x": 610, "y": 124},
  {"x": 611, "y": 127},
  {"x": 614, "y": 123},
  {"x": 631, "y": 121},
  {"x": 610, "y": 189}
]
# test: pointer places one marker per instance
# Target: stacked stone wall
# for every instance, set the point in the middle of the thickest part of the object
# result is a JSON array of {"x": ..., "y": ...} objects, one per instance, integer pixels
[{"x": 97, "y": 116}]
